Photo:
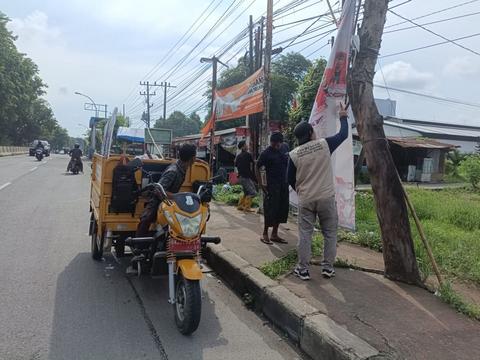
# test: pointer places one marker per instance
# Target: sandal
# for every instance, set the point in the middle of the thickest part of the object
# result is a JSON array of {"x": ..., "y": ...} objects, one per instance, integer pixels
[
  {"x": 266, "y": 241},
  {"x": 279, "y": 240}
]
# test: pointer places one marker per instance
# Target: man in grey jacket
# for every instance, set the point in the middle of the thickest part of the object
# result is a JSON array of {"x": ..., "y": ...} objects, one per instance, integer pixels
[{"x": 310, "y": 174}]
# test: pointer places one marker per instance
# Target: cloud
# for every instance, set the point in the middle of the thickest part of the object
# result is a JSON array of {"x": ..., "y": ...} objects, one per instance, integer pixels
[
  {"x": 464, "y": 66},
  {"x": 34, "y": 28},
  {"x": 404, "y": 75}
]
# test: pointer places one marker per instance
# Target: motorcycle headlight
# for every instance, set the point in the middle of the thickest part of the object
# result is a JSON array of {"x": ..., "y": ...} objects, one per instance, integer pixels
[
  {"x": 190, "y": 225},
  {"x": 169, "y": 217}
]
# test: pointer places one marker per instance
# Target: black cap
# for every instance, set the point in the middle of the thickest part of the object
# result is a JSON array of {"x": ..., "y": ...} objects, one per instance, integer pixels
[
  {"x": 241, "y": 144},
  {"x": 276, "y": 137}
]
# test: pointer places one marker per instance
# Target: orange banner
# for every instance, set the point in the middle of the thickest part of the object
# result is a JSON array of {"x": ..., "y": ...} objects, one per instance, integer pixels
[{"x": 241, "y": 99}]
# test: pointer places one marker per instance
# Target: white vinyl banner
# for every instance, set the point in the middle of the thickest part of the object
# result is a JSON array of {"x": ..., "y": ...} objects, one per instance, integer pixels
[
  {"x": 324, "y": 115},
  {"x": 108, "y": 133}
]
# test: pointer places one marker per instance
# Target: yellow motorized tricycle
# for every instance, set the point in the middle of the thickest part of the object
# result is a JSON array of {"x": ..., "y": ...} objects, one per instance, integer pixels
[{"x": 119, "y": 190}]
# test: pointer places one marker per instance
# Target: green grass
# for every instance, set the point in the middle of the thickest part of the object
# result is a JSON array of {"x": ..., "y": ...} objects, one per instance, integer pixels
[
  {"x": 451, "y": 221},
  {"x": 231, "y": 195},
  {"x": 448, "y": 295},
  {"x": 284, "y": 265}
]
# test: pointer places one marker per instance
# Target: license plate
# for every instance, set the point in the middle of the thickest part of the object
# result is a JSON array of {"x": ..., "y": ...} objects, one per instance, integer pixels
[{"x": 181, "y": 246}]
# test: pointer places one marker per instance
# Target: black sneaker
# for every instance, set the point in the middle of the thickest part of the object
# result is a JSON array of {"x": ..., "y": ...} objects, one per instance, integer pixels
[
  {"x": 302, "y": 274},
  {"x": 328, "y": 273}
]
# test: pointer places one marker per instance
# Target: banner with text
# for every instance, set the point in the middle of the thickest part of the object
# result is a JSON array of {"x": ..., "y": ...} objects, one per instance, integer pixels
[
  {"x": 324, "y": 115},
  {"x": 241, "y": 99}
]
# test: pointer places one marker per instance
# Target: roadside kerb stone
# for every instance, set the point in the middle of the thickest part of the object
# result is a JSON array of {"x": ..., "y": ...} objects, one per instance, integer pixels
[
  {"x": 316, "y": 334},
  {"x": 256, "y": 282},
  {"x": 322, "y": 338},
  {"x": 286, "y": 310}
]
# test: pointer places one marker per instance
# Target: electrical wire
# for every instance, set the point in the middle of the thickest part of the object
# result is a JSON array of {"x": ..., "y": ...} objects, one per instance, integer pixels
[
  {"x": 429, "y": 46},
  {"x": 170, "y": 52},
  {"x": 434, "y": 13},
  {"x": 445, "y": 99},
  {"x": 435, "y": 33}
]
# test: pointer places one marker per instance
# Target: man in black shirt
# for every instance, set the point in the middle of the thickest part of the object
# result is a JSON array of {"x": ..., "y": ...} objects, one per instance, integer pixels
[
  {"x": 171, "y": 180},
  {"x": 246, "y": 178},
  {"x": 275, "y": 199}
]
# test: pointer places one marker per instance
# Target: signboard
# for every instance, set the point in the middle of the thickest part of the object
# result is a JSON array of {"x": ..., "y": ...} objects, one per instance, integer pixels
[
  {"x": 241, "y": 99},
  {"x": 324, "y": 115}
]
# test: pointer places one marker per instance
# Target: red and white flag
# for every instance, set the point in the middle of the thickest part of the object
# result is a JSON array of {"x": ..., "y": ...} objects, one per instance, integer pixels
[{"x": 324, "y": 115}]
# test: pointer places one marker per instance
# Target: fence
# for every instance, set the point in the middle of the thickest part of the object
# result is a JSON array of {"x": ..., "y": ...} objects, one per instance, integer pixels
[{"x": 13, "y": 150}]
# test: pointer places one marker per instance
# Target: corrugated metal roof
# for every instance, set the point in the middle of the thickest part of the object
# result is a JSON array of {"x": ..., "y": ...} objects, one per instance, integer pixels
[
  {"x": 420, "y": 143},
  {"x": 437, "y": 130}
]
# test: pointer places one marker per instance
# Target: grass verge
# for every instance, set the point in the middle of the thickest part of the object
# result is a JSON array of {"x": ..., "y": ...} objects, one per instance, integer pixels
[{"x": 448, "y": 295}]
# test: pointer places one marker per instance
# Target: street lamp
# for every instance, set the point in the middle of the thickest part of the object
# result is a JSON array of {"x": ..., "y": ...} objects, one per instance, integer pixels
[{"x": 92, "y": 135}]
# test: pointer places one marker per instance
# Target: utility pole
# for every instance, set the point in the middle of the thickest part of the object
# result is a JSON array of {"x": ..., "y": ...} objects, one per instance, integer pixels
[
  {"x": 250, "y": 50},
  {"x": 398, "y": 250},
  {"x": 165, "y": 87},
  {"x": 214, "y": 60},
  {"x": 148, "y": 94},
  {"x": 266, "y": 71}
]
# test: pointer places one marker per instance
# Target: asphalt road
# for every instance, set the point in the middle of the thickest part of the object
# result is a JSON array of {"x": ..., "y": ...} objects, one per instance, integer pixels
[{"x": 57, "y": 303}]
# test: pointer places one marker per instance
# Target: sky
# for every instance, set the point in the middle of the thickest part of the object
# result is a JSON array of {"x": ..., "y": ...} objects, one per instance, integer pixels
[{"x": 104, "y": 48}]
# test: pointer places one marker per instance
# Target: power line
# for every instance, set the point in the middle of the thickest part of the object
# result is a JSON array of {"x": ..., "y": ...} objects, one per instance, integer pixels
[
  {"x": 434, "y": 22},
  {"x": 445, "y": 99},
  {"x": 170, "y": 52},
  {"x": 429, "y": 46},
  {"x": 434, "y": 13},
  {"x": 436, "y": 34}
]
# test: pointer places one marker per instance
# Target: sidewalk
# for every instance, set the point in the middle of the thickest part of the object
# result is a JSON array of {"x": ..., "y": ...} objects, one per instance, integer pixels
[{"x": 400, "y": 321}]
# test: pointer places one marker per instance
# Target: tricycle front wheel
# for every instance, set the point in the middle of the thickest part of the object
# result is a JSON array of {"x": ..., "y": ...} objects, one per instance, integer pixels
[{"x": 188, "y": 305}]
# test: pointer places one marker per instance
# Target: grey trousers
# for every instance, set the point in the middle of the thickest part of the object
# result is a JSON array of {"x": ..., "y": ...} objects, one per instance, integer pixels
[{"x": 326, "y": 211}]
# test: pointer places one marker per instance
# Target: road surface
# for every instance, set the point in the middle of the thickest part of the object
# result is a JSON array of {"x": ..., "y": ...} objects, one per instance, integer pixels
[{"x": 57, "y": 303}]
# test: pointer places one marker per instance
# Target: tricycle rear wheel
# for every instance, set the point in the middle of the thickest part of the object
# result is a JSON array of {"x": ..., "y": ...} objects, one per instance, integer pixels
[
  {"x": 96, "y": 242},
  {"x": 188, "y": 305}
]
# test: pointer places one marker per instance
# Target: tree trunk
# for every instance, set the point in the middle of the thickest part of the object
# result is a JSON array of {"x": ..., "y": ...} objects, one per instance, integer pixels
[{"x": 398, "y": 251}]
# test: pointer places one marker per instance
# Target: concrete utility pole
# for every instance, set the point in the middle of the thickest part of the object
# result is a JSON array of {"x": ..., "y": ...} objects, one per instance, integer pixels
[
  {"x": 266, "y": 71},
  {"x": 398, "y": 251},
  {"x": 250, "y": 49},
  {"x": 214, "y": 60},
  {"x": 148, "y": 94},
  {"x": 165, "y": 87}
]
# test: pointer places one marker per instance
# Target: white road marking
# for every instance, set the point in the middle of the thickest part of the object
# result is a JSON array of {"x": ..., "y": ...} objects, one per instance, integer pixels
[
  {"x": 33, "y": 169},
  {"x": 4, "y": 185}
]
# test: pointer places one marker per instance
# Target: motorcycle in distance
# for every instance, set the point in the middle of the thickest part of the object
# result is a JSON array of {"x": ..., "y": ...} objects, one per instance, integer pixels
[
  {"x": 74, "y": 166},
  {"x": 39, "y": 154},
  {"x": 177, "y": 243}
]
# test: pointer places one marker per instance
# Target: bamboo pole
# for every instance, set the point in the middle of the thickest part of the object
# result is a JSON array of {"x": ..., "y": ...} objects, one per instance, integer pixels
[{"x": 425, "y": 242}]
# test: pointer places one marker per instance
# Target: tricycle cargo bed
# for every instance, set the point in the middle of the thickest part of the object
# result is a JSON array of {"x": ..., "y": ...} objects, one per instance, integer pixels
[{"x": 101, "y": 189}]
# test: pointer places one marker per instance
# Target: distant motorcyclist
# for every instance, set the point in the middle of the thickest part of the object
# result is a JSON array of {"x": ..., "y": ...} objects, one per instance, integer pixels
[
  {"x": 76, "y": 155},
  {"x": 40, "y": 146}
]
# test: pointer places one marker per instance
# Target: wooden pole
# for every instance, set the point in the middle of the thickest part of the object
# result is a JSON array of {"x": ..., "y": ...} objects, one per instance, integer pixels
[{"x": 392, "y": 213}]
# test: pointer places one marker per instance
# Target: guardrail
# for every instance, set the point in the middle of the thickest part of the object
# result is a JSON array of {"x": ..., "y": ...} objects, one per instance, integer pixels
[{"x": 13, "y": 150}]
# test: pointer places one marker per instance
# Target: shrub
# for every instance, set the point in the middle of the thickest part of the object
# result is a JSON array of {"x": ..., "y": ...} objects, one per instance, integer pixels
[{"x": 470, "y": 167}]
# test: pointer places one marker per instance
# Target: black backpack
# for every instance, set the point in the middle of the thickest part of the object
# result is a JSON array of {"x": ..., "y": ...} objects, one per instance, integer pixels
[{"x": 124, "y": 190}]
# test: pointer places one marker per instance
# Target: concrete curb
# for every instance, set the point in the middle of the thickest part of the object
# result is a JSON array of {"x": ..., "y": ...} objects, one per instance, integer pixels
[
  {"x": 315, "y": 333},
  {"x": 13, "y": 154}
]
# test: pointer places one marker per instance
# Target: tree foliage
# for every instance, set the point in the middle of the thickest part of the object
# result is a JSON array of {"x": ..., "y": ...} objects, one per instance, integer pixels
[
  {"x": 24, "y": 115},
  {"x": 307, "y": 91},
  {"x": 180, "y": 124}
]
